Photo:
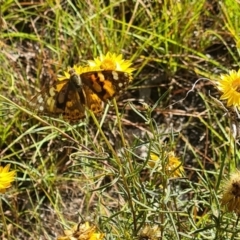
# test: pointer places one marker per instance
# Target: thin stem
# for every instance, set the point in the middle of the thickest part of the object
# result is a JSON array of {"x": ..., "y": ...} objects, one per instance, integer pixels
[
  {"x": 121, "y": 169},
  {"x": 3, "y": 218}
]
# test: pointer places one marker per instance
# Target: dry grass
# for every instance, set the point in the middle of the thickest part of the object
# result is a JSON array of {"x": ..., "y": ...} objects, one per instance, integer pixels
[{"x": 97, "y": 170}]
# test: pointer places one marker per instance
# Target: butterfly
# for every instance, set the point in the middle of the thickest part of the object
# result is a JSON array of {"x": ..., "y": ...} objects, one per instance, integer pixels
[{"x": 70, "y": 97}]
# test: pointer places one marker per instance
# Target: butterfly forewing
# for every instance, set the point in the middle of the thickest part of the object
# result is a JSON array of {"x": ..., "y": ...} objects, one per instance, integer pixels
[{"x": 106, "y": 84}]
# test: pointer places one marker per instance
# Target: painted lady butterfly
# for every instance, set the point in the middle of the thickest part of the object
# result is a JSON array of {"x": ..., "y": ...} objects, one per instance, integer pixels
[{"x": 69, "y": 97}]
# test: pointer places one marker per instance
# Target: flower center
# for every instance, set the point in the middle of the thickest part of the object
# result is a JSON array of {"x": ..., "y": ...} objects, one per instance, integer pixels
[
  {"x": 236, "y": 189},
  {"x": 108, "y": 64},
  {"x": 236, "y": 85}
]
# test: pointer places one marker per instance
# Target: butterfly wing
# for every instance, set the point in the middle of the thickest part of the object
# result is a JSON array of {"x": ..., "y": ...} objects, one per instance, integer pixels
[
  {"x": 93, "y": 102},
  {"x": 62, "y": 98},
  {"x": 106, "y": 84},
  {"x": 69, "y": 97}
]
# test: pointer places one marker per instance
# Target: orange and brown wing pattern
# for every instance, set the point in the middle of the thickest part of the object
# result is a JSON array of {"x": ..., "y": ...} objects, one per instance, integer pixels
[
  {"x": 69, "y": 97},
  {"x": 66, "y": 98},
  {"x": 107, "y": 83},
  {"x": 92, "y": 101}
]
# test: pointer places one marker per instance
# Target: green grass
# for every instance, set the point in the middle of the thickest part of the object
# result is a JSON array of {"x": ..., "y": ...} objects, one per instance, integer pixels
[{"x": 97, "y": 169}]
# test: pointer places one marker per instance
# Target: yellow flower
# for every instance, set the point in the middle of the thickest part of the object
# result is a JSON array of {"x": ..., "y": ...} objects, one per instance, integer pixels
[
  {"x": 150, "y": 233},
  {"x": 173, "y": 167},
  {"x": 111, "y": 61},
  {"x": 231, "y": 193},
  {"x": 82, "y": 232},
  {"x": 6, "y": 178},
  {"x": 80, "y": 69},
  {"x": 229, "y": 85}
]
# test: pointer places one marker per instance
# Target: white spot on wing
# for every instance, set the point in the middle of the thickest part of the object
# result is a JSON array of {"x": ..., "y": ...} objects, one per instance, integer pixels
[
  {"x": 115, "y": 75},
  {"x": 120, "y": 85}
]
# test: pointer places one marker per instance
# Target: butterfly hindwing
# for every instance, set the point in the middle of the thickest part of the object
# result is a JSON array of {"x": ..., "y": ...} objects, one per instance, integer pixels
[{"x": 93, "y": 102}]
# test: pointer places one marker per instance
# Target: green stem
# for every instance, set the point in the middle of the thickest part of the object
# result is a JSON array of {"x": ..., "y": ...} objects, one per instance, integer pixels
[
  {"x": 121, "y": 171},
  {"x": 3, "y": 218}
]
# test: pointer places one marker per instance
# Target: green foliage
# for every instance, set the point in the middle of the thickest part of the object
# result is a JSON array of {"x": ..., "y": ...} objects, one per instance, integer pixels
[{"x": 98, "y": 169}]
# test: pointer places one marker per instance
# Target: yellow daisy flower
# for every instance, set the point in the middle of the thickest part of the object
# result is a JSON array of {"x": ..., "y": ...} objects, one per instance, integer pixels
[
  {"x": 173, "y": 167},
  {"x": 229, "y": 85},
  {"x": 150, "y": 232},
  {"x": 6, "y": 178},
  {"x": 111, "y": 61},
  {"x": 231, "y": 193},
  {"x": 82, "y": 232}
]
